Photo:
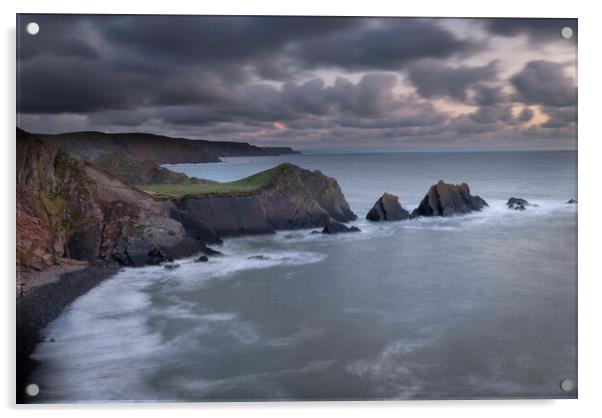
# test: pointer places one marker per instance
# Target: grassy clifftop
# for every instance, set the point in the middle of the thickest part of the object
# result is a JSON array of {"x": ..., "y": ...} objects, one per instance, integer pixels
[{"x": 246, "y": 185}]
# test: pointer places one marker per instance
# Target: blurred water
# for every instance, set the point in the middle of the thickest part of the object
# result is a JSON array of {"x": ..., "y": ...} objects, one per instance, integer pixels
[{"x": 477, "y": 306}]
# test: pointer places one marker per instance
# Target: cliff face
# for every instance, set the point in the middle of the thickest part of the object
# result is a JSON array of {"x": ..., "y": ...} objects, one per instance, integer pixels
[
  {"x": 67, "y": 209},
  {"x": 157, "y": 148},
  {"x": 291, "y": 198}
]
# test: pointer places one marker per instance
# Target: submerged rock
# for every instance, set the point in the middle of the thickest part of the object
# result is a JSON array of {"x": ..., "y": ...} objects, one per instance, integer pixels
[
  {"x": 258, "y": 257},
  {"x": 334, "y": 227},
  {"x": 572, "y": 202},
  {"x": 387, "y": 208},
  {"x": 517, "y": 203},
  {"x": 444, "y": 199},
  {"x": 171, "y": 266},
  {"x": 202, "y": 259}
]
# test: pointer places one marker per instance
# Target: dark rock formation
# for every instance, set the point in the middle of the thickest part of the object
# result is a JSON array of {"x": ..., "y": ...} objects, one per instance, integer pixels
[
  {"x": 387, "y": 208},
  {"x": 289, "y": 197},
  {"x": 572, "y": 202},
  {"x": 517, "y": 203},
  {"x": 444, "y": 199},
  {"x": 334, "y": 227},
  {"x": 202, "y": 259},
  {"x": 68, "y": 209},
  {"x": 211, "y": 252},
  {"x": 171, "y": 266},
  {"x": 161, "y": 149}
]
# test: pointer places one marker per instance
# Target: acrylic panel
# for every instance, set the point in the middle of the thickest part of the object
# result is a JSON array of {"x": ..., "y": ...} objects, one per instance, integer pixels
[{"x": 234, "y": 208}]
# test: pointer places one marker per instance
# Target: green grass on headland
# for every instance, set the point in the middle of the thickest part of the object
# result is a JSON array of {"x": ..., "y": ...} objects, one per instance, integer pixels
[{"x": 245, "y": 185}]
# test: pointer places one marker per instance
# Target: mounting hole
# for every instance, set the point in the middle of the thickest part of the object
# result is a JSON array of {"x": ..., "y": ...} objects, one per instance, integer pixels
[
  {"x": 32, "y": 28},
  {"x": 566, "y": 385},
  {"x": 32, "y": 390},
  {"x": 566, "y": 32}
]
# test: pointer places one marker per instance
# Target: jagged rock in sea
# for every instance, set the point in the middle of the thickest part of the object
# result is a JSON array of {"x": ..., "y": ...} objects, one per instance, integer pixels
[
  {"x": 67, "y": 209},
  {"x": 517, "y": 203},
  {"x": 334, "y": 227},
  {"x": 387, "y": 208},
  {"x": 572, "y": 201},
  {"x": 444, "y": 199},
  {"x": 281, "y": 198}
]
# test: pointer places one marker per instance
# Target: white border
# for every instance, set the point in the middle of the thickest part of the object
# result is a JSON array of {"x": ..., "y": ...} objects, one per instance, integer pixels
[{"x": 590, "y": 204}]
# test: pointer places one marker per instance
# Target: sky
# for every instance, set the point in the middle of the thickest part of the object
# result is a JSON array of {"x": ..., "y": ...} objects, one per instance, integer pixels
[{"x": 312, "y": 83}]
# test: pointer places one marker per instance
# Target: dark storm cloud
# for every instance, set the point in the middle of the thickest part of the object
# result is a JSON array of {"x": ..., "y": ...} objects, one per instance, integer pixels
[
  {"x": 538, "y": 30},
  {"x": 544, "y": 82},
  {"x": 384, "y": 44},
  {"x": 281, "y": 79},
  {"x": 67, "y": 36},
  {"x": 93, "y": 63},
  {"x": 433, "y": 78},
  {"x": 371, "y": 97}
]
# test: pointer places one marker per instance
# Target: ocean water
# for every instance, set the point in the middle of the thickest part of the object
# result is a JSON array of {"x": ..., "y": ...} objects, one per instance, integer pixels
[{"x": 474, "y": 306}]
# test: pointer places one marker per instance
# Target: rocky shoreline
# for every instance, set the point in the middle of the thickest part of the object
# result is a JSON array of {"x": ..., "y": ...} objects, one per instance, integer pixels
[{"x": 38, "y": 305}]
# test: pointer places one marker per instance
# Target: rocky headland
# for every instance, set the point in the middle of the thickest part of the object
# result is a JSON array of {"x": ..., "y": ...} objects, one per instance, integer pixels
[{"x": 158, "y": 148}]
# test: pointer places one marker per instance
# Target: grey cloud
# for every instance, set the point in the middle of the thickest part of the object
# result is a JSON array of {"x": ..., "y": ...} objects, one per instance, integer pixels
[
  {"x": 485, "y": 95},
  {"x": 233, "y": 77},
  {"x": 433, "y": 78},
  {"x": 525, "y": 115},
  {"x": 544, "y": 82},
  {"x": 492, "y": 114},
  {"x": 538, "y": 30},
  {"x": 390, "y": 44},
  {"x": 560, "y": 116}
]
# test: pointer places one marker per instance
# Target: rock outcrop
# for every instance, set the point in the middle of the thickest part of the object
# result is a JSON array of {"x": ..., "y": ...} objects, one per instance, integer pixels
[
  {"x": 516, "y": 203},
  {"x": 334, "y": 227},
  {"x": 387, "y": 208},
  {"x": 572, "y": 202},
  {"x": 66, "y": 209},
  {"x": 288, "y": 197},
  {"x": 444, "y": 199}
]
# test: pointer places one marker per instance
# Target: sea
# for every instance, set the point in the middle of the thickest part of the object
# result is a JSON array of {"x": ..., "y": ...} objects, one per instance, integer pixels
[{"x": 469, "y": 307}]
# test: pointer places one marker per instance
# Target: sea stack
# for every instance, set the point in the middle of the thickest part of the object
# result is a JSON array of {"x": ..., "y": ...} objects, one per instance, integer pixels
[
  {"x": 387, "y": 208},
  {"x": 444, "y": 199}
]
